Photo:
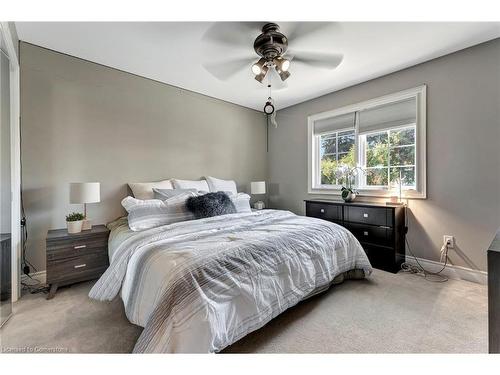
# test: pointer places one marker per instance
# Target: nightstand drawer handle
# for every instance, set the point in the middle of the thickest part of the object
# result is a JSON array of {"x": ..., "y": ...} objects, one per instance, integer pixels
[
  {"x": 365, "y": 215},
  {"x": 365, "y": 233},
  {"x": 322, "y": 210},
  {"x": 80, "y": 247},
  {"x": 80, "y": 265}
]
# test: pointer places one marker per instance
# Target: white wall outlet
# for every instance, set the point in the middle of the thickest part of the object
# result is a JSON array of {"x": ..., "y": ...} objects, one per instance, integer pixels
[{"x": 450, "y": 240}]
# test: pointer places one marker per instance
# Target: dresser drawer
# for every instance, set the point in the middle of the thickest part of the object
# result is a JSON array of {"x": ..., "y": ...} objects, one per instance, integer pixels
[
  {"x": 368, "y": 215},
  {"x": 324, "y": 211},
  {"x": 381, "y": 257},
  {"x": 87, "y": 266},
  {"x": 371, "y": 234}
]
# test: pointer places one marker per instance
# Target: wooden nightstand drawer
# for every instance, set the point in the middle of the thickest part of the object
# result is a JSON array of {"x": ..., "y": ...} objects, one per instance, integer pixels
[
  {"x": 368, "y": 215},
  {"x": 84, "y": 267},
  {"x": 324, "y": 211},
  {"x": 371, "y": 234},
  {"x": 69, "y": 249}
]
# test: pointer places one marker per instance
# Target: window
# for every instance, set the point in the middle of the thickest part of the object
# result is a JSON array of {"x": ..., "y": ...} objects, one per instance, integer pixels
[
  {"x": 336, "y": 149},
  {"x": 385, "y": 137}
]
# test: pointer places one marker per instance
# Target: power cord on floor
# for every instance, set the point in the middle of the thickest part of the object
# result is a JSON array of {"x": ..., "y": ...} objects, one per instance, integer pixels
[
  {"x": 435, "y": 277},
  {"x": 418, "y": 269}
]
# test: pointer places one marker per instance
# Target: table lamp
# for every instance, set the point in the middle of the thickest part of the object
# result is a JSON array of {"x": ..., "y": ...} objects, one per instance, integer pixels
[
  {"x": 256, "y": 188},
  {"x": 85, "y": 192}
]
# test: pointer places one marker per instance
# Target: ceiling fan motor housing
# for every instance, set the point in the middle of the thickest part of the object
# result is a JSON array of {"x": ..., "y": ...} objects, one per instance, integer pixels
[{"x": 271, "y": 43}]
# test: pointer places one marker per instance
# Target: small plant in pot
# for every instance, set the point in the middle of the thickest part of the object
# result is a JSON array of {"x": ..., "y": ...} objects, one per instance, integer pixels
[
  {"x": 74, "y": 222},
  {"x": 348, "y": 174}
]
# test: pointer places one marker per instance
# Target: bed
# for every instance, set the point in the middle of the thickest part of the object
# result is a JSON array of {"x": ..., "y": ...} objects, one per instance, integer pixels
[{"x": 198, "y": 286}]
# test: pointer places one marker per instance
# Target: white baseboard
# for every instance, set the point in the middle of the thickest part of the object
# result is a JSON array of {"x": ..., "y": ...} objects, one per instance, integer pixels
[
  {"x": 451, "y": 271},
  {"x": 41, "y": 276}
]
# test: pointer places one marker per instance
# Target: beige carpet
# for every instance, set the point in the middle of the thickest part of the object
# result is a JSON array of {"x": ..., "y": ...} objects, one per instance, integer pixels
[{"x": 389, "y": 313}]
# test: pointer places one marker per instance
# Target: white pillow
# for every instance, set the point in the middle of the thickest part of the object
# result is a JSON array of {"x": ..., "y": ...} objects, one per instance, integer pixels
[
  {"x": 241, "y": 202},
  {"x": 227, "y": 186},
  {"x": 152, "y": 213},
  {"x": 200, "y": 185},
  {"x": 144, "y": 190}
]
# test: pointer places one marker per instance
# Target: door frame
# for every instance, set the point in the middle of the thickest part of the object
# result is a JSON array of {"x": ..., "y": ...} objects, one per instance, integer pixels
[{"x": 15, "y": 149}]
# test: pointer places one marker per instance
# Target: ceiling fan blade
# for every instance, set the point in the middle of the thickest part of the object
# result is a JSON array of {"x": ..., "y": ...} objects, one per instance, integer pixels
[
  {"x": 317, "y": 59},
  {"x": 223, "y": 70},
  {"x": 233, "y": 33},
  {"x": 299, "y": 30}
]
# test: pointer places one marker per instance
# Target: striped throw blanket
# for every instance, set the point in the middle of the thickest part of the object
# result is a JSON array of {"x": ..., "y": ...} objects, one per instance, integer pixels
[{"x": 201, "y": 285}]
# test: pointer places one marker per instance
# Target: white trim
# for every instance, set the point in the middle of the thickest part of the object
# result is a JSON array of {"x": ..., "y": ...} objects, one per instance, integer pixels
[
  {"x": 451, "y": 271},
  {"x": 15, "y": 161},
  {"x": 420, "y": 93},
  {"x": 40, "y": 276}
]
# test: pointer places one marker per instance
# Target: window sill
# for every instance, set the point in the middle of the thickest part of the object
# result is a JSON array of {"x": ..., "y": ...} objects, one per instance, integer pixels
[{"x": 368, "y": 193}]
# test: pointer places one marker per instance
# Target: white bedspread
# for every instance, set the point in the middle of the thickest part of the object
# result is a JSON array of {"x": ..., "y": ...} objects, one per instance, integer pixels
[{"x": 201, "y": 285}]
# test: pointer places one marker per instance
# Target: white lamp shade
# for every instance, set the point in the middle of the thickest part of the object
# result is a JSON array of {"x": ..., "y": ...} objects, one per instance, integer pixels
[
  {"x": 258, "y": 187},
  {"x": 84, "y": 192}
]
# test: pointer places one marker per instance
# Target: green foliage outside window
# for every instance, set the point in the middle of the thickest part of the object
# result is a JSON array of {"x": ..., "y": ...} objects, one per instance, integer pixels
[{"x": 387, "y": 154}]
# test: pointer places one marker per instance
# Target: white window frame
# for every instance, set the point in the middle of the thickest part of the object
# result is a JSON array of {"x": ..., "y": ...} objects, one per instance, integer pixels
[{"x": 420, "y": 95}]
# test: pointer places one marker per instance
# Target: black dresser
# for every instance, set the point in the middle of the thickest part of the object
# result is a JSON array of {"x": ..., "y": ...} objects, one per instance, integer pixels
[
  {"x": 380, "y": 228},
  {"x": 494, "y": 294}
]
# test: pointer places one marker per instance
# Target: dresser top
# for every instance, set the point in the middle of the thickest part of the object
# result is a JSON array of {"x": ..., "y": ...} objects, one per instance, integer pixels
[
  {"x": 55, "y": 234},
  {"x": 355, "y": 203}
]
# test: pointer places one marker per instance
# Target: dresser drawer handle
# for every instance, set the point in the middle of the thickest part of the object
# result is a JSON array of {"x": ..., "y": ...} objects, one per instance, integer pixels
[
  {"x": 365, "y": 215},
  {"x": 365, "y": 233},
  {"x": 322, "y": 210},
  {"x": 80, "y": 265},
  {"x": 80, "y": 247}
]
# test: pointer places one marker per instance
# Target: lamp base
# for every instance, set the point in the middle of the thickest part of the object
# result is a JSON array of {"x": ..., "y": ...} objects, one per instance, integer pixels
[
  {"x": 259, "y": 205},
  {"x": 87, "y": 224}
]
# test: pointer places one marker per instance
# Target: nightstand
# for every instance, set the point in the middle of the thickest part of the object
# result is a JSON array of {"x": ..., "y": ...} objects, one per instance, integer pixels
[{"x": 72, "y": 258}]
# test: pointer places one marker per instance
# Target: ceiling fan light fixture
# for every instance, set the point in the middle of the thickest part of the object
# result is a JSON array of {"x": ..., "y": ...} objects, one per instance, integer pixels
[
  {"x": 285, "y": 65},
  {"x": 281, "y": 64},
  {"x": 258, "y": 67},
  {"x": 263, "y": 71},
  {"x": 283, "y": 74}
]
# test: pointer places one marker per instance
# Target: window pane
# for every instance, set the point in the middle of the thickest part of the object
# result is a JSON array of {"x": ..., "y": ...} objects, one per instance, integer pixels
[
  {"x": 407, "y": 176},
  {"x": 375, "y": 139},
  {"x": 328, "y": 168},
  {"x": 377, "y": 150},
  {"x": 403, "y": 155},
  {"x": 347, "y": 158},
  {"x": 377, "y": 176},
  {"x": 328, "y": 145},
  {"x": 346, "y": 142},
  {"x": 402, "y": 137}
]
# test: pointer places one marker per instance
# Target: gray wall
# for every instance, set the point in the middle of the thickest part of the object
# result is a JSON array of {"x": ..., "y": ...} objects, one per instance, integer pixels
[
  {"x": 85, "y": 122},
  {"x": 463, "y": 151}
]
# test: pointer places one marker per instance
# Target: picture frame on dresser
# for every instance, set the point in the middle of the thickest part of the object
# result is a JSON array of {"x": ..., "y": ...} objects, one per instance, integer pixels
[
  {"x": 72, "y": 258},
  {"x": 380, "y": 228}
]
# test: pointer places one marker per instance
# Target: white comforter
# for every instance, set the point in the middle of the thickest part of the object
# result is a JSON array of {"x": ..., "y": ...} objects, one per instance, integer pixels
[{"x": 201, "y": 285}]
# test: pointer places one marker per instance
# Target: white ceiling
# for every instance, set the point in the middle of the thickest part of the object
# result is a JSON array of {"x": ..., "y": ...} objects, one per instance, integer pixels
[{"x": 173, "y": 52}]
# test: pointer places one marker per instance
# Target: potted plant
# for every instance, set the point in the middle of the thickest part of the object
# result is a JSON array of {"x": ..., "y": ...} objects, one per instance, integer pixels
[
  {"x": 348, "y": 192},
  {"x": 74, "y": 221}
]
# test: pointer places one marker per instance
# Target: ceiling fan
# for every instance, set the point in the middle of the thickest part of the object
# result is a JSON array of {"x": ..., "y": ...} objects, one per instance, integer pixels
[{"x": 272, "y": 46}]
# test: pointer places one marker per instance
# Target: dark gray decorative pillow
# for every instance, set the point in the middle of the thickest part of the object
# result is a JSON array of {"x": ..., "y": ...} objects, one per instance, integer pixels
[{"x": 210, "y": 204}]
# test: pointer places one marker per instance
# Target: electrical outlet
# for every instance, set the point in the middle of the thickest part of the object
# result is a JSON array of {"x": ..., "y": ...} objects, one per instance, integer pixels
[{"x": 450, "y": 240}]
